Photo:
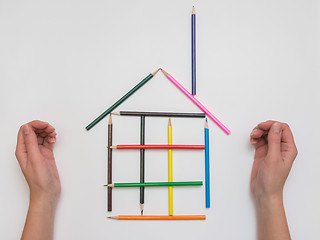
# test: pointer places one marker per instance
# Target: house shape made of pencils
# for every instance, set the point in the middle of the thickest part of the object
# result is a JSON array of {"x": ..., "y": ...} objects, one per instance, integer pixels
[{"x": 142, "y": 145}]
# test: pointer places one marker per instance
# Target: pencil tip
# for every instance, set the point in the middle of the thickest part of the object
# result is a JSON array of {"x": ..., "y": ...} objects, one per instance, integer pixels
[
  {"x": 154, "y": 73},
  {"x": 110, "y": 120},
  {"x": 141, "y": 212},
  {"x": 164, "y": 72}
]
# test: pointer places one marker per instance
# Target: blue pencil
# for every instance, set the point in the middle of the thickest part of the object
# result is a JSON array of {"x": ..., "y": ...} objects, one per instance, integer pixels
[
  {"x": 193, "y": 51},
  {"x": 207, "y": 168}
]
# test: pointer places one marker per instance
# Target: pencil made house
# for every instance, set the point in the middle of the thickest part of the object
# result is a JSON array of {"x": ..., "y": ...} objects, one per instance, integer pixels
[{"x": 169, "y": 147}]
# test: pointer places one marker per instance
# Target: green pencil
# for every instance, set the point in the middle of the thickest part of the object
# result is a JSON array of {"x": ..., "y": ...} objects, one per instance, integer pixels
[
  {"x": 154, "y": 184},
  {"x": 116, "y": 104}
]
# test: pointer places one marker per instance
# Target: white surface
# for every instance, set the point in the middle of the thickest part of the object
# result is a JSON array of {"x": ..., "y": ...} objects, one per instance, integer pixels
[{"x": 65, "y": 62}]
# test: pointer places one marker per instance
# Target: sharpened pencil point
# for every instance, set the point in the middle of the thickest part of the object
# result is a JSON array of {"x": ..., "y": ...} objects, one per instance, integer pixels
[
  {"x": 164, "y": 72},
  {"x": 110, "y": 120},
  {"x": 154, "y": 73},
  {"x": 141, "y": 208}
]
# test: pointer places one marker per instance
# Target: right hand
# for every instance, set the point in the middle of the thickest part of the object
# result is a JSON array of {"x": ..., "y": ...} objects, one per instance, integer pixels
[{"x": 273, "y": 159}]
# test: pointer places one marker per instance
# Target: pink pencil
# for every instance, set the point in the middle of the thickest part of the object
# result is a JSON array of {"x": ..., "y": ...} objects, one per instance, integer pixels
[{"x": 193, "y": 99}]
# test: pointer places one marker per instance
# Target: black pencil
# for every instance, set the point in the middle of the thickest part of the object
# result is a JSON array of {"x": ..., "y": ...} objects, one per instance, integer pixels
[
  {"x": 142, "y": 162},
  {"x": 160, "y": 114},
  {"x": 110, "y": 164}
]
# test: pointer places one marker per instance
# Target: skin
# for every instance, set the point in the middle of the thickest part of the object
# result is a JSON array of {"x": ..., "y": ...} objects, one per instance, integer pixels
[
  {"x": 35, "y": 155},
  {"x": 274, "y": 156},
  {"x": 273, "y": 159}
]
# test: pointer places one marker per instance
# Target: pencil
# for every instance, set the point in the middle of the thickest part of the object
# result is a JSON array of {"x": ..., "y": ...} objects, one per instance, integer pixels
[
  {"x": 193, "y": 99},
  {"x": 160, "y": 114},
  {"x": 116, "y": 104},
  {"x": 155, "y": 184},
  {"x": 159, "y": 217},
  {"x": 158, "y": 147},
  {"x": 193, "y": 51},
  {"x": 110, "y": 164},
  {"x": 142, "y": 161},
  {"x": 207, "y": 166},
  {"x": 170, "y": 177}
]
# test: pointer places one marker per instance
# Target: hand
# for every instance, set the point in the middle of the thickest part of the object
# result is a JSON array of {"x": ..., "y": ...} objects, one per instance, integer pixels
[
  {"x": 35, "y": 155},
  {"x": 274, "y": 156}
]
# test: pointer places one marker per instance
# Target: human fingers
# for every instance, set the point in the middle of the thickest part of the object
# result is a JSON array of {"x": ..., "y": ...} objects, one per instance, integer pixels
[
  {"x": 46, "y": 134},
  {"x": 274, "y": 141},
  {"x": 30, "y": 141},
  {"x": 287, "y": 136},
  {"x": 43, "y": 129},
  {"x": 49, "y": 142},
  {"x": 257, "y": 132},
  {"x": 40, "y": 126},
  {"x": 21, "y": 148},
  {"x": 258, "y": 142}
]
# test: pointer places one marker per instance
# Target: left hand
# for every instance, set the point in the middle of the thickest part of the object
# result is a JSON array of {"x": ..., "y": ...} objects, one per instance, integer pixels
[{"x": 35, "y": 155}]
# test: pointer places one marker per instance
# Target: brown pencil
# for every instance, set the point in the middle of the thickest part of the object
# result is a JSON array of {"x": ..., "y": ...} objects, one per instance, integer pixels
[{"x": 110, "y": 164}]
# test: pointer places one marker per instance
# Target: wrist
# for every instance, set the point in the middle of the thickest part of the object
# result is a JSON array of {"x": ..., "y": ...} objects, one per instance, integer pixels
[
  {"x": 43, "y": 202},
  {"x": 269, "y": 202}
]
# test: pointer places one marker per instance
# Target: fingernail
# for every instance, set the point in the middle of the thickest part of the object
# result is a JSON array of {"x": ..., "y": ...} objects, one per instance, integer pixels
[
  {"x": 253, "y": 132},
  {"x": 52, "y": 140},
  {"x": 253, "y": 141},
  {"x": 276, "y": 128},
  {"x": 25, "y": 129}
]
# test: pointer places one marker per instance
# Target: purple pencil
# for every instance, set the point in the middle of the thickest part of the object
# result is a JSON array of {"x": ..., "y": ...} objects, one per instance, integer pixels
[{"x": 193, "y": 51}]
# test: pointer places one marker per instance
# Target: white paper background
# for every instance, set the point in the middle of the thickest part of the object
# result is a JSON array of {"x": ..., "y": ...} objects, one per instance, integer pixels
[{"x": 65, "y": 62}]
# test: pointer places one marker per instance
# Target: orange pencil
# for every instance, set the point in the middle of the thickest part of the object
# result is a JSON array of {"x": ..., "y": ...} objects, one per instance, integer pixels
[{"x": 159, "y": 217}]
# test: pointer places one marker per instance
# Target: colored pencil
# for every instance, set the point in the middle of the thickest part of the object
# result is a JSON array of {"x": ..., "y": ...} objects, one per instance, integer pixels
[
  {"x": 142, "y": 161},
  {"x": 159, "y": 217},
  {"x": 160, "y": 114},
  {"x": 207, "y": 166},
  {"x": 155, "y": 184},
  {"x": 170, "y": 177},
  {"x": 158, "y": 147},
  {"x": 193, "y": 51},
  {"x": 110, "y": 164},
  {"x": 193, "y": 99},
  {"x": 116, "y": 104}
]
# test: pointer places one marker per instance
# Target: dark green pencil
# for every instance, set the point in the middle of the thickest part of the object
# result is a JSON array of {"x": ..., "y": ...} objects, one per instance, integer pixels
[
  {"x": 155, "y": 184},
  {"x": 116, "y": 104}
]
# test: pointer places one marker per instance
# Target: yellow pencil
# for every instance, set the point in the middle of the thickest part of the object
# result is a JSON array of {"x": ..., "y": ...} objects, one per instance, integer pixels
[{"x": 170, "y": 178}]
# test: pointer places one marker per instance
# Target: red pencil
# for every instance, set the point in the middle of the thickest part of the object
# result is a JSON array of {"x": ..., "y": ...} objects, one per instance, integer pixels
[{"x": 158, "y": 147}]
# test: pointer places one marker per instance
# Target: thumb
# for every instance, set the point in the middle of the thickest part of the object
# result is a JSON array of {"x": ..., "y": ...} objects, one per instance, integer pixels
[
  {"x": 274, "y": 140},
  {"x": 30, "y": 140}
]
